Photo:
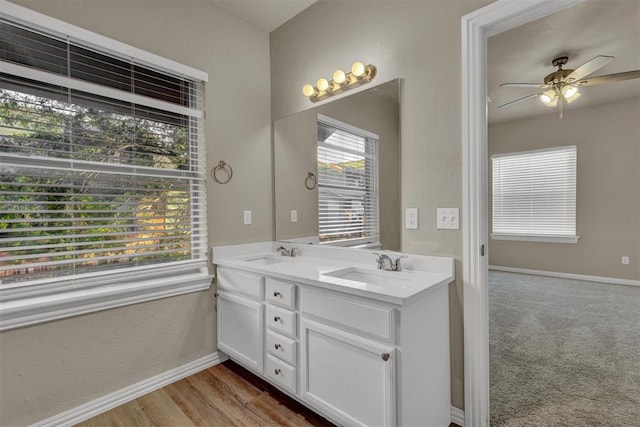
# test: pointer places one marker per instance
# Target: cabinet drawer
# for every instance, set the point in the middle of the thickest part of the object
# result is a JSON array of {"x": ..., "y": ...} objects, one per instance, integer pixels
[
  {"x": 358, "y": 315},
  {"x": 281, "y": 320},
  {"x": 282, "y": 347},
  {"x": 281, "y": 293},
  {"x": 251, "y": 285},
  {"x": 281, "y": 373}
]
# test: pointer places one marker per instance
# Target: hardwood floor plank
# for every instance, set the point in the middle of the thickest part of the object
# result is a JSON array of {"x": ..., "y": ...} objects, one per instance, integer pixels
[
  {"x": 225, "y": 395},
  {"x": 162, "y": 411},
  {"x": 197, "y": 407}
]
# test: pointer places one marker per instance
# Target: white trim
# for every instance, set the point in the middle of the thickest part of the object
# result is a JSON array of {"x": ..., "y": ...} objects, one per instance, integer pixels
[
  {"x": 457, "y": 416},
  {"x": 585, "y": 277},
  {"x": 477, "y": 26},
  {"x": 84, "y": 86},
  {"x": 38, "y": 309},
  {"x": 346, "y": 126},
  {"x": 539, "y": 150},
  {"x": 127, "y": 394},
  {"x": 87, "y": 38},
  {"x": 535, "y": 238}
]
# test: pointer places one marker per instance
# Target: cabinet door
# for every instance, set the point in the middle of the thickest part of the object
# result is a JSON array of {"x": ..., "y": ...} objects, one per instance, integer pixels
[
  {"x": 240, "y": 329},
  {"x": 349, "y": 377}
]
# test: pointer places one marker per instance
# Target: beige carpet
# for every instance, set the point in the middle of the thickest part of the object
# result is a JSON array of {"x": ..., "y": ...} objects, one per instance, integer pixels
[{"x": 563, "y": 352}]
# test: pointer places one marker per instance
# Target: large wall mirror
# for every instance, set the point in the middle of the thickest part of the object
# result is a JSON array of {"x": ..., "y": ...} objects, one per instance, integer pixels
[{"x": 354, "y": 155}]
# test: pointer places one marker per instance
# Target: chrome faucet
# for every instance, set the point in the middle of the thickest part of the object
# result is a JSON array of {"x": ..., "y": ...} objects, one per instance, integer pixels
[
  {"x": 287, "y": 252},
  {"x": 385, "y": 262}
]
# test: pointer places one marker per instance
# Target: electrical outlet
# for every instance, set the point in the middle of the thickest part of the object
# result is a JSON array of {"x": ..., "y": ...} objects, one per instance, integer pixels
[
  {"x": 411, "y": 218},
  {"x": 294, "y": 215},
  {"x": 247, "y": 217},
  {"x": 625, "y": 260}
]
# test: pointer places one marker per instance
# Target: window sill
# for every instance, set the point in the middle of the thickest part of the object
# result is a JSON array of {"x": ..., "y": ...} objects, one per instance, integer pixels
[
  {"x": 34, "y": 309},
  {"x": 535, "y": 238}
]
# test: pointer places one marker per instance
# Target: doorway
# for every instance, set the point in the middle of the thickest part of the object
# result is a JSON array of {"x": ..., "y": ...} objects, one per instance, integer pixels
[{"x": 476, "y": 28}]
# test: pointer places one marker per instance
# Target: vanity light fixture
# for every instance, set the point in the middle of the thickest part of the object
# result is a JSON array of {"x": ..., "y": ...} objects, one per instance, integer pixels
[{"x": 341, "y": 81}]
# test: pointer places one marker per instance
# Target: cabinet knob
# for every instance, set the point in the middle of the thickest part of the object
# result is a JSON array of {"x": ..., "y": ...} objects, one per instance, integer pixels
[
  {"x": 385, "y": 356},
  {"x": 277, "y": 371},
  {"x": 216, "y": 295},
  {"x": 276, "y": 318},
  {"x": 276, "y": 294},
  {"x": 277, "y": 346}
]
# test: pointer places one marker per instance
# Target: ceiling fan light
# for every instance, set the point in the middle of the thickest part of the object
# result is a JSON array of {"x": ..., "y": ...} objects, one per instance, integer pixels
[
  {"x": 570, "y": 93},
  {"x": 573, "y": 98},
  {"x": 549, "y": 98}
]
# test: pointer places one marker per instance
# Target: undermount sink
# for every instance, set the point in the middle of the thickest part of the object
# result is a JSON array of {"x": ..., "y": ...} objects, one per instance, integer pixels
[
  {"x": 266, "y": 260},
  {"x": 374, "y": 277}
]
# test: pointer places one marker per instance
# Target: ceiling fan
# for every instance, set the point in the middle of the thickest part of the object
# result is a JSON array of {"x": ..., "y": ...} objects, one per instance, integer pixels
[{"x": 562, "y": 86}]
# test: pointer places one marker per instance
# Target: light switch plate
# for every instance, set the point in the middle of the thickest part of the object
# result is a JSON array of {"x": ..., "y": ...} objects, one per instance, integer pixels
[
  {"x": 411, "y": 218},
  {"x": 294, "y": 215},
  {"x": 247, "y": 217},
  {"x": 448, "y": 218}
]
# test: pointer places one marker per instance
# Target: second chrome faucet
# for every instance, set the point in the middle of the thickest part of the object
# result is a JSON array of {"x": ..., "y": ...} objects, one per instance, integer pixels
[{"x": 385, "y": 262}]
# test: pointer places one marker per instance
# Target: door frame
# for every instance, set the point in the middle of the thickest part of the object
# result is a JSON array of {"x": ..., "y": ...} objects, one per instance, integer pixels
[{"x": 477, "y": 27}]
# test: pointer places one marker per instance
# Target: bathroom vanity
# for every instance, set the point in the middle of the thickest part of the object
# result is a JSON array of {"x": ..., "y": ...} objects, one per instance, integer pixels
[{"x": 358, "y": 345}]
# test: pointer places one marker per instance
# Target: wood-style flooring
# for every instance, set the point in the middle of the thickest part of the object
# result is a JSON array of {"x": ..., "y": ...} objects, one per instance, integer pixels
[{"x": 223, "y": 395}]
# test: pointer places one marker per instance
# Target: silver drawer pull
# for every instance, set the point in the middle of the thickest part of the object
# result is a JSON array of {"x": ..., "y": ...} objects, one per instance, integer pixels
[
  {"x": 385, "y": 356},
  {"x": 277, "y": 371},
  {"x": 276, "y": 318},
  {"x": 276, "y": 294},
  {"x": 277, "y": 346}
]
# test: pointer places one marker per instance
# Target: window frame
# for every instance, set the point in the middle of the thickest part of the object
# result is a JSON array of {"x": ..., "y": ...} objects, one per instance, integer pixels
[
  {"x": 373, "y": 241},
  {"x": 33, "y": 302},
  {"x": 535, "y": 237}
]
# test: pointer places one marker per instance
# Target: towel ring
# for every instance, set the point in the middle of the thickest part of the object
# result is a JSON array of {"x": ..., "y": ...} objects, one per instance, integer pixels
[
  {"x": 310, "y": 181},
  {"x": 222, "y": 166}
]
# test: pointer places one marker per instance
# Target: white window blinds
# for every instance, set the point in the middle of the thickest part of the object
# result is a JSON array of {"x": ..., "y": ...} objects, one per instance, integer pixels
[
  {"x": 101, "y": 161},
  {"x": 534, "y": 193},
  {"x": 347, "y": 184}
]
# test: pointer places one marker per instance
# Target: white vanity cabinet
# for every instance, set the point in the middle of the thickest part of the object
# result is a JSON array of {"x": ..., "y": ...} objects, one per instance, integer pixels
[
  {"x": 357, "y": 360},
  {"x": 240, "y": 322},
  {"x": 371, "y": 363},
  {"x": 347, "y": 376}
]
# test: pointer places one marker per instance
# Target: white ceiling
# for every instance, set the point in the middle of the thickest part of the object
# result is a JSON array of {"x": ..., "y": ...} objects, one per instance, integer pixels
[
  {"x": 524, "y": 54},
  {"x": 265, "y": 14}
]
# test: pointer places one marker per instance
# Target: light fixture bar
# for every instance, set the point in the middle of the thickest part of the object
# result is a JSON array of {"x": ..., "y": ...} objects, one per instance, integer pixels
[{"x": 359, "y": 74}]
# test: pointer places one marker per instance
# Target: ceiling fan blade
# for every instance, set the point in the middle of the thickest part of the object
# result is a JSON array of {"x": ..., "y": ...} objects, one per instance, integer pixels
[
  {"x": 609, "y": 78},
  {"x": 589, "y": 67},
  {"x": 540, "y": 85},
  {"x": 519, "y": 100}
]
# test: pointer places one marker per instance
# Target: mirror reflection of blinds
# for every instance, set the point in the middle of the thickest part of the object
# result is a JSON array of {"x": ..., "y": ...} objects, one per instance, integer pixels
[
  {"x": 534, "y": 192},
  {"x": 347, "y": 185},
  {"x": 101, "y": 161}
]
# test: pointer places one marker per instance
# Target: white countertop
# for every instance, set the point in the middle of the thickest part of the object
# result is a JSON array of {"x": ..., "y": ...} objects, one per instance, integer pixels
[{"x": 323, "y": 267}]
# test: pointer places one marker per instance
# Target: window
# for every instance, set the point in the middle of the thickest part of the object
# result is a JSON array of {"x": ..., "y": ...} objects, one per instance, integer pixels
[
  {"x": 101, "y": 171},
  {"x": 534, "y": 195},
  {"x": 347, "y": 184}
]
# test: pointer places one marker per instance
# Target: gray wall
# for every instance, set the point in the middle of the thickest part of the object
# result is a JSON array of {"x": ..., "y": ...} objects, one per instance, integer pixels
[
  {"x": 52, "y": 367},
  {"x": 419, "y": 42},
  {"x": 607, "y": 195}
]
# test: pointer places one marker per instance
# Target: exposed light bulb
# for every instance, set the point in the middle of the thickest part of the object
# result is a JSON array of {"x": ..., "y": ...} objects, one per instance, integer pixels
[
  {"x": 339, "y": 77},
  {"x": 358, "y": 69},
  {"x": 322, "y": 84},
  {"x": 308, "y": 90}
]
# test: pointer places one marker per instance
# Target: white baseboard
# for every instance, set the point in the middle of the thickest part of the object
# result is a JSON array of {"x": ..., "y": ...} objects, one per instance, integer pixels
[
  {"x": 457, "y": 416},
  {"x": 588, "y": 278},
  {"x": 127, "y": 394}
]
